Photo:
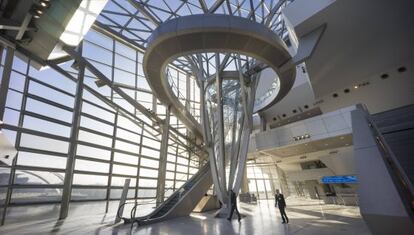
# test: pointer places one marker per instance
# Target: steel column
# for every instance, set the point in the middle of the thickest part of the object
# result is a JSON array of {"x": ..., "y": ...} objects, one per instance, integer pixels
[
  {"x": 70, "y": 162},
  {"x": 220, "y": 122},
  {"x": 163, "y": 157},
  {"x": 111, "y": 163},
  {"x": 3, "y": 96},
  {"x": 5, "y": 81}
]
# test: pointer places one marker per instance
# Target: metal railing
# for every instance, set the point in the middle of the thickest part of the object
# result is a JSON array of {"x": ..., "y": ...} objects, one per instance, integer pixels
[{"x": 133, "y": 219}]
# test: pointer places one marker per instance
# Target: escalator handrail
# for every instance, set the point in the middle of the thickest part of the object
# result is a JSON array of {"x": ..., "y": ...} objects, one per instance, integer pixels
[
  {"x": 194, "y": 178},
  {"x": 181, "y": 198}
]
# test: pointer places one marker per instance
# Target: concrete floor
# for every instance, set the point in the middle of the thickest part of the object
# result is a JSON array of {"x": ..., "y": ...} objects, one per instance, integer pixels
[{"x": 306, "y": 217}]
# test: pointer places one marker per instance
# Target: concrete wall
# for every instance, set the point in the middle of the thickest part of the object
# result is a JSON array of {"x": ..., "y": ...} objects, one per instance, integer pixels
[
  {"x": 341, "y": 163},
  {"x": 320, "y": 127},
  {"x": 380, "y": 202},
  {"x": 310, "y": 174}
]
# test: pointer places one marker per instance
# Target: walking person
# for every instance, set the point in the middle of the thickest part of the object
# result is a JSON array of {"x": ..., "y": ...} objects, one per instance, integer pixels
[
  {"x": 281, "y": 204},
  {"x": 233, "y": 206}
]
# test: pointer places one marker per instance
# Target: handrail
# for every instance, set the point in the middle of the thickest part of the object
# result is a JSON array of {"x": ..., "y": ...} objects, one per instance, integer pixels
[
  {"x": 406, "y": 186},
  {"x": 134, "y": 219}
]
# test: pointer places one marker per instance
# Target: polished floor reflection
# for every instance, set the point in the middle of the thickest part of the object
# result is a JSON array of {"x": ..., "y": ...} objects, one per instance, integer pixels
[{"x": 306, "y": 217}]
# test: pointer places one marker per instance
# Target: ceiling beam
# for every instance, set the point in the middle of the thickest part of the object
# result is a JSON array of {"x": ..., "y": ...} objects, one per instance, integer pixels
[
  {"x": 139, "y": 6},
  {"x": 215, "y": 6}
]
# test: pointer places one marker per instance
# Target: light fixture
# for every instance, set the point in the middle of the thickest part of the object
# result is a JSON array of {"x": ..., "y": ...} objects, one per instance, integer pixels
[
  {"x": 44, "y": 4},
  {"x": 356, "y": 87},
  {"x": 99, "y": 83}
]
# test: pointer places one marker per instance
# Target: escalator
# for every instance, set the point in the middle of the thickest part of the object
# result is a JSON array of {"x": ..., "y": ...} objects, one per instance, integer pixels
[
  {"x": 397, "y": 128},
  {"x": 384, "y": 159},
  {"x": 181, "y": 202}
]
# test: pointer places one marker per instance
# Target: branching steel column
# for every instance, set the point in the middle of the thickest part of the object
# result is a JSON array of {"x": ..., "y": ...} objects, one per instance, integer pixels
[
  {"x": 247, "y": 129},
  {"x": 245, "y": 182},
  {"x": 220, "y": 122},
  {"x": 70, "y": 162},
  {"x": 163, "y": 157}
]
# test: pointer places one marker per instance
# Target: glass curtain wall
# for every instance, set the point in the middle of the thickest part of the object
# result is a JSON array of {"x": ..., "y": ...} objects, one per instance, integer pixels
[
  {"x": 110, "y": 147},
  {"x": 263, "y": 181}
]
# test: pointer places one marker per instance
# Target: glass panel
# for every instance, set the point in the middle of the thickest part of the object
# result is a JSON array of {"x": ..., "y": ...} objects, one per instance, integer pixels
[{"x": 83, "y": 179}]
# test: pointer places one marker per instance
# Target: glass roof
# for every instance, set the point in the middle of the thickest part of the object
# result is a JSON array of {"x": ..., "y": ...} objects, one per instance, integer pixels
[{"x": 136, "y": 19}]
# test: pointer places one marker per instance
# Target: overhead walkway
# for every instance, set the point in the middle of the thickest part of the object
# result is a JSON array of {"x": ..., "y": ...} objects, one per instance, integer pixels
[
  {"x": 212, "y": 33},
  {"x": 383, "y": 156},
  {"x": 181, "y": 202}
]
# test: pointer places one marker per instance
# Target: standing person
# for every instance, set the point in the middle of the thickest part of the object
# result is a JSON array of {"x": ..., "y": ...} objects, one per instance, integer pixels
[
  {"x": 280, "y": 202},
  {"x": 233, "y": 205}
]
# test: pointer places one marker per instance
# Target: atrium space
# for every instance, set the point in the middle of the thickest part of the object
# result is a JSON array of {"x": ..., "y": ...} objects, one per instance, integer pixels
[{"x": 206, "y": 117}]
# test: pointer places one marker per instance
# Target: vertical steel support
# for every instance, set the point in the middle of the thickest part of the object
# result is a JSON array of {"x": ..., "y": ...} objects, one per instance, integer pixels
[
  {"x": 70, "y": 161},
  {"x": 175, "y": 167},
  {"x": 188, "y": 93},
  {"x": 5, "y": 81},
  {"x": 123, "y": 199},
  {"x": 234, "y": 147},
  {"x": 245, "y": 182},
  {"x": 4, "y": 87},
  {"x": 141, "y": 137},
  {"x": 247, "y": 128},
  {"x": 111, "y": 163},
  {"x": 219, "y": 97},
  {"x": 163, "y": 157},
  {"x": 263, "y": 123}
]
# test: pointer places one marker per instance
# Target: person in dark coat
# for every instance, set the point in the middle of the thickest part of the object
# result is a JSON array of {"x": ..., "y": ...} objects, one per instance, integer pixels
[
  {"x": 233, "y": 206},
  {"x": 281, "y": 204}
]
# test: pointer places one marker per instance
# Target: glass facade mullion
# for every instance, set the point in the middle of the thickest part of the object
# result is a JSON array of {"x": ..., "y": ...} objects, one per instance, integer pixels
[{"x": 111, "y": 162}]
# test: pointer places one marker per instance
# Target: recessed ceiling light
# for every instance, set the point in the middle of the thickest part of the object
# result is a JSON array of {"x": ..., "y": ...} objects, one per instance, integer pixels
[
  {"x": 384, "y": 76},
  {"x": 402, "y": 69},
  {"x": 356, "y": 87}
]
